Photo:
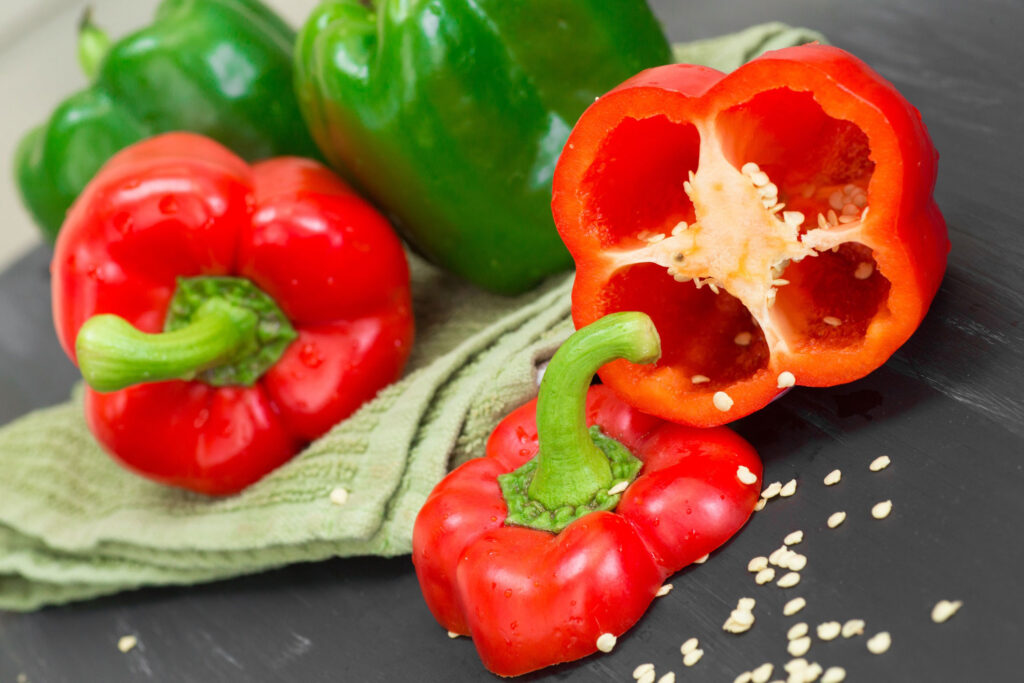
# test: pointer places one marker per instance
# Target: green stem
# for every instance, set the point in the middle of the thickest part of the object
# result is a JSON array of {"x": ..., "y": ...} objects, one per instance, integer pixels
[
  {"x": 113, "y": 355},
  {"x": 571, "y": 469},
  {"x": 93, "y": 45}
]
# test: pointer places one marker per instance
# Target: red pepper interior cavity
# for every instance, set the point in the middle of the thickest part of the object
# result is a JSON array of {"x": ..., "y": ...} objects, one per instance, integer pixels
[{"x": 636, "y": 191}]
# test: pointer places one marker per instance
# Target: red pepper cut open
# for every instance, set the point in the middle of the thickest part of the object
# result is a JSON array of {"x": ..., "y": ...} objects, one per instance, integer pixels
[
  {"x": 224, "y": 315},
  {"x": 777, "y": 224},
  {"x": 562, "y": 535}
]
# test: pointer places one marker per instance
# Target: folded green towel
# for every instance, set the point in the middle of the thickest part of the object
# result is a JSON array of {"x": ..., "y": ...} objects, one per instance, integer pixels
[{"x": 74, "y": 525}]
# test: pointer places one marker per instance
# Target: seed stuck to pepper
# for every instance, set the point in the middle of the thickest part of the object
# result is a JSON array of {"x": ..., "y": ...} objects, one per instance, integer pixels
[{"x": 606, "y": 642}]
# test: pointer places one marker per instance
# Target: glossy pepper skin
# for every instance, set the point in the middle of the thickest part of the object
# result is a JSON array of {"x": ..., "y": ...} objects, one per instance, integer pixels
[
  {"x": 451, "y": 114},
  {"x": 217, "y": 67},
  {"x": 530, "y": 598},
  {"x": 182, "y": 206},
  {"x": 799, "y": 186}
]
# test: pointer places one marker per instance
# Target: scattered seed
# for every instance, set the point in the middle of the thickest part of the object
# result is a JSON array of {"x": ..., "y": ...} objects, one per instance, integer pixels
[
  {"x": 670, "y": 677},
  {"x": 853, "y": 627},
  {"x": 944, "y": 609},
  {"x": 832, "y": 321},
  {"x": 772, "y": 490},
  {"x": 793, "y": 606},
  {"x": 811, "y": 673},
  {"x": 743, "y": 677},
  {"x": 879, "y": 643},
  {"x": 647, "y": 677},
  {"x": 789, "y": 489},
  {"x": 881, "y": 510},
  {"x": 797, "y": 630},
  {"x": 606, "y": 642},
  {"x": 759, "y": 505},
  {"x": 829, "y": 630},
  {"x": 453, "y": 635},
  {"x": 745, "y": 476},
  {"x": 757, "y": 564},
  {"x": 793, "y": 537},
  {"x": 664, "y": 590},
  {"x": 699, "y": 379},
  {"x": 741, "y": 618},
  {"x": 126, "y": 643},
  {"x": 762, "y": 673},
  {"x": 691, "y": 658},
  {"x": 722, "y": 401},
  {"x": 779, "y": 556},
  {"x": 788, "y": 580},
  {"x": 702, "y": 559},
  {"x": 642, "y": 669},
  {"x": 879, "y": 463},
  {"x": 766, "y": 575},
  {"x": 339, "y": 496},
  {"x": 794, "y": 665},
  {"x": 742, "y": 339},
  {"x": 833, "y": 477},
  {"x": 799, "y": 646},
  {"x": 835, "y": 519},
  {"x": 796, "y": 562},
  {"x": 689, "y": 646},
  {"x": 834, "y": 674},
  {"x": 618, "y": 488},
  {"x": 786, "y": 379},
  {"x": 864, "y": 270}
]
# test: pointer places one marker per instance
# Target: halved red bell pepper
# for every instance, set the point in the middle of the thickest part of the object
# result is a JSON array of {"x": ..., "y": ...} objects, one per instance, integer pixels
[
  {"x": 227, "y": 314},
  {"x": 562, "y": 535},
  {"x": 776, "y": 223}
]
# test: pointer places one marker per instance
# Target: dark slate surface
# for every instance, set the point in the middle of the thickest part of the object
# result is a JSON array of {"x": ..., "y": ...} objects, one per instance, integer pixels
[{"x": 948, "y": 409}]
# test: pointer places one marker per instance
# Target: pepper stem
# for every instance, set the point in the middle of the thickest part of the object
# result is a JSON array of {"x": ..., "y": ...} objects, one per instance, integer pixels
[
  {"x": 571, "y": 469},
  {"x": 112, "y": 354},
  {"x": 93, "y": 45}
]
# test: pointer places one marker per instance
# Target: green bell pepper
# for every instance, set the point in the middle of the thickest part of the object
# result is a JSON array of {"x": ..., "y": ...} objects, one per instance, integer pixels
[
  {"x": 217, "y": 67},
  {"x": 451, "y": 114}
]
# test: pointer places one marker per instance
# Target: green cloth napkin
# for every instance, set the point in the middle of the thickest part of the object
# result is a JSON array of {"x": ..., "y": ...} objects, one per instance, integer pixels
[{"x": 74, "y": 525}]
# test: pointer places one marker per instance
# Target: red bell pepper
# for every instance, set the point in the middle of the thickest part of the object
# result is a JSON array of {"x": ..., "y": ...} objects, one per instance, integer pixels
[
  {"x": 776, "y": 223},
  {"x": 548, "y": 543},
  {"x": 224, "y": 315}
]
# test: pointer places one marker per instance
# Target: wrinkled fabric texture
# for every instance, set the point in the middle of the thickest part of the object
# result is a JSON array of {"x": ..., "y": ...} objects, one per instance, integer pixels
[{"x": 75, "y": 525}]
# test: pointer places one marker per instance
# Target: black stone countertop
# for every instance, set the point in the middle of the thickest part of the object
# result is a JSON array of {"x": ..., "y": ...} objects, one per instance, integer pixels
[{"x": 948, "y": 409}]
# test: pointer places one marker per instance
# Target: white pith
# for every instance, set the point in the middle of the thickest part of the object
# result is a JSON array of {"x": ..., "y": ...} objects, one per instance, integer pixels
[{"x": 743, "y": 238}]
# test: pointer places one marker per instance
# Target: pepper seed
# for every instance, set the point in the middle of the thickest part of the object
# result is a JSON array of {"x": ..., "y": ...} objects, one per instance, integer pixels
[
  {"x": 944, "y": 609},
  {"x": 879, "y": 643},
  {"x": 794, "y": 606},
  {"x": 881, "y": 510},
  {"x": 606, "y": 642}
]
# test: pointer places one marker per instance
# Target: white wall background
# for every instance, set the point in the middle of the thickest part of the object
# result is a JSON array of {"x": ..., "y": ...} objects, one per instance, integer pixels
[{"x": 39, "y": 67}]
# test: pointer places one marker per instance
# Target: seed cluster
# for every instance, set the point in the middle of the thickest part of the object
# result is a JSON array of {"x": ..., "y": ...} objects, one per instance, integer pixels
[{"x": 799, "y": 637}]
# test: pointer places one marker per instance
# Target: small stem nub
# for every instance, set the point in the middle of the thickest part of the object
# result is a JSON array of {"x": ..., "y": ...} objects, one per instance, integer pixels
[{"x": 93, "y": 45}]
